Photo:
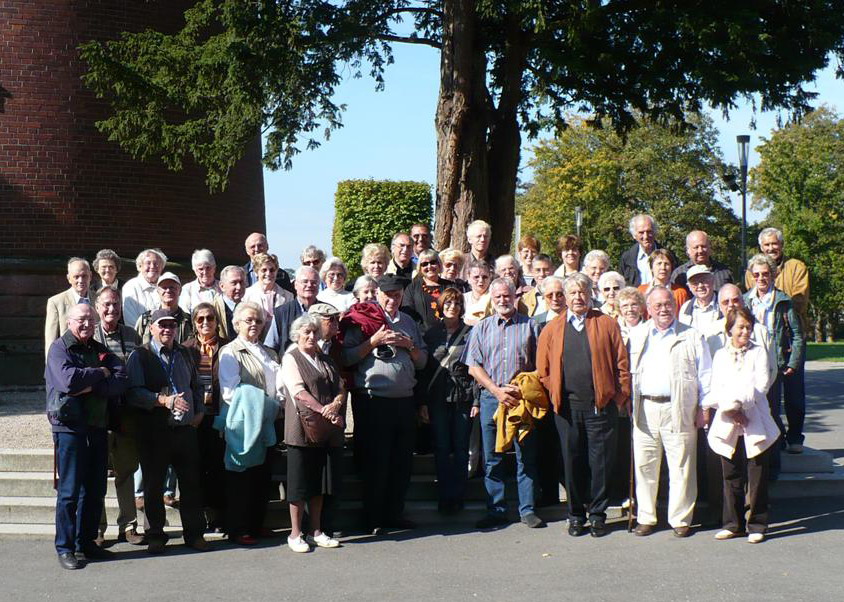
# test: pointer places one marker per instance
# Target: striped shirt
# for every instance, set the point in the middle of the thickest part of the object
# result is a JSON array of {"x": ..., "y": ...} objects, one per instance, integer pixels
[{"x": 503, "y": 347}]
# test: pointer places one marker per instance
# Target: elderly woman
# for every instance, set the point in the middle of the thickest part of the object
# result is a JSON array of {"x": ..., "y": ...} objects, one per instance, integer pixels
[
  {"x": 609, "y": 284},
  {"x": 140, "y": 294},
  {"x": 365, "y": 289},
  {"x": 477, "y": 302},
  {"x": 374, "y": 259},
  {"x": 662, "y": 265},
  {"x": 570, "y": 250},
  {"x": 313, "y": 256},
  {"x": 596, "y": 263},
  {"x": 774, "y": 310},
  {"x": 420, "y": 297},
  {"x": 631, "y": 310},
  {"x": 250, "y": 386},
  {"x": 107, "y": 265},
  {"x": 526, "y": 249},
  {"x": 206, "y": 287},
  {"x": 743, "y": 431},
  {"x": 334, "y": 274},
  {"x": 448, "y": 388},
  {"x": 453, "y": 261},
  {"x": 204, "y": 348},
  {"x": 314, "y": 413},
  {"x": 265, "y": 292}
]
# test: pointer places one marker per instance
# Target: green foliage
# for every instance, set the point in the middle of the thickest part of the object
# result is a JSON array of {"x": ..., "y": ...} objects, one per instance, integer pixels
[
  {"x": 368, "y": 211},
  {"x": 800, "y": 178},
  {"x": 673, "y": 173}
]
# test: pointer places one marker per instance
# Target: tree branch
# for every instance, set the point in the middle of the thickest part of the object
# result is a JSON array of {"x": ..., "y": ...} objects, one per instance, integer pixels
[
  {"x": 409, "y": 40},
  {"x": 410, "y": 9}
]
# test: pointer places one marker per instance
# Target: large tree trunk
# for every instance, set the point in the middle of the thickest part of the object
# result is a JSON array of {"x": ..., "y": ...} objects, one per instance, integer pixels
[{"x": 461, "y": 124}]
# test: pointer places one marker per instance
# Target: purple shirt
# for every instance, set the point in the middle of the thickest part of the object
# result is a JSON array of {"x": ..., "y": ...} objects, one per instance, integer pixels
[{"x": 503, "y": 348}]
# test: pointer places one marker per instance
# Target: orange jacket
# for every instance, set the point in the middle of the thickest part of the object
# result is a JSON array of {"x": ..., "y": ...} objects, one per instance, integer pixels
[
  {"x": 610, "y": 363},
  {"x": 518, "y": 421}
]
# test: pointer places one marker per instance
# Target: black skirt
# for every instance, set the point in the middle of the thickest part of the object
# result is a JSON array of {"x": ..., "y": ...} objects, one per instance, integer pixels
[{"x": 312, "y": 471}]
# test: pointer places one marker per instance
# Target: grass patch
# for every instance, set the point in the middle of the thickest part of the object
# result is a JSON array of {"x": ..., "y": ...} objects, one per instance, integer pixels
[{"x": 827, "y": 352}]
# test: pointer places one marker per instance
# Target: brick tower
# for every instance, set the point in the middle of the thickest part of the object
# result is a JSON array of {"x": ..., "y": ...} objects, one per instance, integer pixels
[{"x": 66, "y": 190}]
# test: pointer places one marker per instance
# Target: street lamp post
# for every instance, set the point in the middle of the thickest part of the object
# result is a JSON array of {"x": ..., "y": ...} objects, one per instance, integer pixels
[
  {"x": 578, "y": 218},
  {"x": 743, "y": 141}
]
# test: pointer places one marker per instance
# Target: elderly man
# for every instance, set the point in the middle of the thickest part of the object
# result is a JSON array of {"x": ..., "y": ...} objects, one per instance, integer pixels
[
  {"x": 232, "y": 287},
  {"x": 140, "y": 293},
  {"x": 700, "y": 253},
  {"x": 385, "y": 365},
  {"x": 730, "y": 297},
  {"x": 121, "y": 340},
  {"x": 508, "y": 268},
  {"x": 582, "y": 361},
  {"x": 165, "y": 387},
  {"x": 83, "y": 379},
  {"x": 205, "y": 288},
  {"x": 256, "y": 244},
  {"x": 479, "y": 235},
  {"x": 792, "y": 277},
  {"x": 421, "y": 236},
  {"x": 79, "y": 277},
  {"x": 169, "y": 287},
  {"x": 671, "y": 367},
  {"x": 554, "y": 299},
  {"x": 499, "y": 348},
  {"x": 306, "y": 285},
  {"x": 635, "y": 264},
  {"x": 401, "y": 263},
  {"x": 701, "y": 311}
]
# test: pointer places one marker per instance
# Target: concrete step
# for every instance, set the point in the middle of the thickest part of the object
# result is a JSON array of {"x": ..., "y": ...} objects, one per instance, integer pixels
[
  {"x": 34, "y": 484},
  {"x": 26, "y": 460},
  {"x": 810, "y": 461},
  {"x": 818, "y": 484}
]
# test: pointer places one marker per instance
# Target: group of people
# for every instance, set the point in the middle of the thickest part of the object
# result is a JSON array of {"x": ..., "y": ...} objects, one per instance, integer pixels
[{"x": 200, "y": 383}]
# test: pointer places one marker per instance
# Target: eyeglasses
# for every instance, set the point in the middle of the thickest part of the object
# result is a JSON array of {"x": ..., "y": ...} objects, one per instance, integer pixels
[
  {"x": 607, "y": 289},
  {"x": 759, "y": 275},
  {"x": 333, "y": 275},
  {"x": 425, "y": 264},
  {"x": 555, "y": 294},
  {"x": 203, "y": 319},
  {"x": 253, "y": 320},
  {"x": 698, "y": 283}
]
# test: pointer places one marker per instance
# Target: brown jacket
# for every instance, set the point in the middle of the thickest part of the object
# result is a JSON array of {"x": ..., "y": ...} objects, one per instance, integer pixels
[{"x": 610, "y": 364}]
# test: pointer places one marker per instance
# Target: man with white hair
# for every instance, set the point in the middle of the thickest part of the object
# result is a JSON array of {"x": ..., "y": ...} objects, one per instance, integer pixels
[
  {"x": 792, "y": 277},
  {"x": 634, "y": 264},
  {"x": 479, "y": 235},
  {"x": 140, "y": 294},
  {"x": 79, "y": 277},
  {"x": 306, "y": 284},
  {"x": 232, "y": 287},
  {"x": 701, "y": 311},
  {"x": 700, "y": 254},
  {"x": 205, "y": 288},
  {"x": 671, "y": 368},
  {"x": 508, "y": 268}
]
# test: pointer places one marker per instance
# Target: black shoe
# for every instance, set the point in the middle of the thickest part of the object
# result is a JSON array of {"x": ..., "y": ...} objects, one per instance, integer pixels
[
  {"x": 96, "y": 553},
  {"x": 598, "y": 529},
  {"x": 491, "y": 521},
  {"x": 402, "y": 523},
  {"x": 67, "y": 560},
  {"x": 156, "y": 546},
  {"x": 533, "y": 521},
  {"x": 576, "y": 528}
]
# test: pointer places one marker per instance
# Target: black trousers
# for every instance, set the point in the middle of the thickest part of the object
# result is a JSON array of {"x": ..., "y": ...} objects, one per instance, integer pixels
[
  {"x": 751, "y": 475},
  {"x": 620, "y": 479},
  {"x": 159, "y": 446},
  {"x": 390, "y": 428},
  {"x": 588, "y": 440},
  {"x": 247, "y": 494},
  {"x": 212, "y": 475},
  {"x": 710, "y": 480}
]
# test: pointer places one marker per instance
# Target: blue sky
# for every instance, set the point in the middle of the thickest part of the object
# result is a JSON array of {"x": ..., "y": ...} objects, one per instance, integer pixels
[{"x": 390, "y": 135}]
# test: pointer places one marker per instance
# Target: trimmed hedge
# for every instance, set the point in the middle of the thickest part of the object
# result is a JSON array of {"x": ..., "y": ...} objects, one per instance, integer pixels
[{"x": 368, "y": 211}]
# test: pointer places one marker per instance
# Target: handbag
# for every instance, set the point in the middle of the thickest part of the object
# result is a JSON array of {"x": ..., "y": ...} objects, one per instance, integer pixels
[{"x": 317, "y": 428}]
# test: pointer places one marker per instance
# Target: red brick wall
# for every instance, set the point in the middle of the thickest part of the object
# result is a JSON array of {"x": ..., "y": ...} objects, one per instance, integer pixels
[{"x": 64, "y": 189}]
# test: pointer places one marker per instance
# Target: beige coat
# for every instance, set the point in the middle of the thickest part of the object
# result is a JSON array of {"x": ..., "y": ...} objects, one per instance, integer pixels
[{"x": 56, "y": 323}]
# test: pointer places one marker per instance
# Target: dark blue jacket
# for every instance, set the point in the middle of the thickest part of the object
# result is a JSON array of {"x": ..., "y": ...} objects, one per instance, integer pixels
[{"x": 67, "y": 372}]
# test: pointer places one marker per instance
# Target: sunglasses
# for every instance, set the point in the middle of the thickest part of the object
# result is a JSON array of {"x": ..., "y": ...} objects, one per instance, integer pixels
[
  {"x": 203, "y": 319},
  {"x": 167, "y": 325},
  {"x": 607, "y": 289},
  {"x": 425, "y": 264},
  {"x": 758, "y": 275}
]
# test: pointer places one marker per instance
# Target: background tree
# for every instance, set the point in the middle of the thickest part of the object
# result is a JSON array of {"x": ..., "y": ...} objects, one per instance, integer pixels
[
  {"x": 670, "y": 172},
  {"x": 800, "y": 178},
  {"x": 507, "y": 67}
]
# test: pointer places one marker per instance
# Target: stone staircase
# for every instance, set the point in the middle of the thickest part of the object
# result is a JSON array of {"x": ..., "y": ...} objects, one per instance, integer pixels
[{"x": 27, "y": 498}]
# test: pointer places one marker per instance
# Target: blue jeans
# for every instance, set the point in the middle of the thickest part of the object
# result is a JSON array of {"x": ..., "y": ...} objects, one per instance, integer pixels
[
  {"x": 82, "y": 463},
  {"x": 493, "y": 477},
  {"x": 169, "y": 482},
  {"x": 451, "y": 425}
]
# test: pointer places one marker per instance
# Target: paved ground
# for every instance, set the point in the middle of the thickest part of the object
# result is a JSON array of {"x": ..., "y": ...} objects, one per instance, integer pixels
[{"x": 800, "y": 561}]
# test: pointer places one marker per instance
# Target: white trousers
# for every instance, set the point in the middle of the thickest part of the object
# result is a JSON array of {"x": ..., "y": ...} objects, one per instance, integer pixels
[{"x": 651, "y": 435}]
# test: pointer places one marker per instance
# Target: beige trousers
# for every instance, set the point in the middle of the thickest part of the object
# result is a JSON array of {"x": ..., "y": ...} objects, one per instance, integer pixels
[{"x": 651, "y": 436}]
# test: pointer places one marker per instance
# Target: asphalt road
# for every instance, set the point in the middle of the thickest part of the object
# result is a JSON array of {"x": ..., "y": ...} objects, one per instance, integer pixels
[{"x": 801, "y": 560}]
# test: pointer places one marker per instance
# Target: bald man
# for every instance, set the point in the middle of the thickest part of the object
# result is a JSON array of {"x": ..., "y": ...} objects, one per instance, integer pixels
[
  {"x": 255, "y": 244},
  {"x": 699, "y": 251}
]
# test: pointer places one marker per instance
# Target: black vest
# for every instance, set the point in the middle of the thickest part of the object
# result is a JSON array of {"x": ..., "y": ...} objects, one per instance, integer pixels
[{"x": 578, "y": 387}]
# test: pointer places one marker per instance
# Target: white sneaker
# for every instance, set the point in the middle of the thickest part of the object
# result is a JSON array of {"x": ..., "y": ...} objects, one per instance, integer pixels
[
  {"x": 756, "y": 538},
  {"x": 725, "y": 534},
  {"x": 323, "y": 541},
  {"x": 298, "y": 544}
]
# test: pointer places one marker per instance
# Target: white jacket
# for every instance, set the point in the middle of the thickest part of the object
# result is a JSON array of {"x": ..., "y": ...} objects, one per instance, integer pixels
[{"x": 741, "y": 387}]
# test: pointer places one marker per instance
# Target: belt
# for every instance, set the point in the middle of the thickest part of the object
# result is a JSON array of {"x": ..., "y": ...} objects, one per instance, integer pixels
[{"x": 657, "y": 398}]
